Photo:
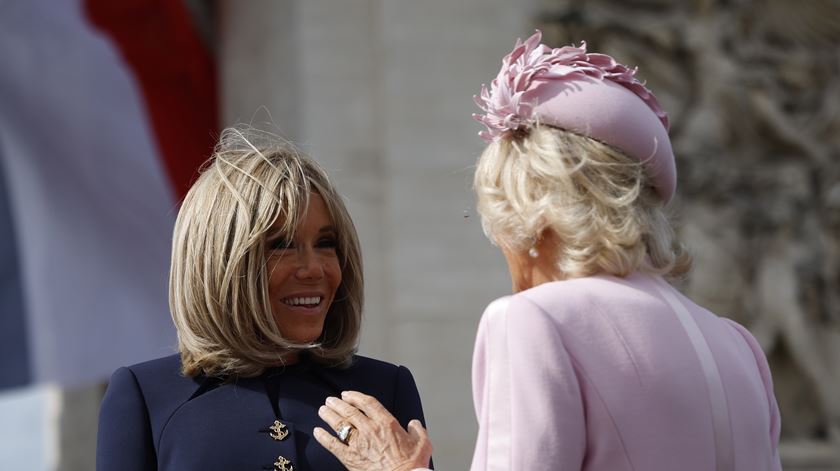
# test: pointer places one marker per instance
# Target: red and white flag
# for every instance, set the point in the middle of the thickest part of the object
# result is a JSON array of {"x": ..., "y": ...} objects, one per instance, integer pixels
[{"x": 107, "y": 108}]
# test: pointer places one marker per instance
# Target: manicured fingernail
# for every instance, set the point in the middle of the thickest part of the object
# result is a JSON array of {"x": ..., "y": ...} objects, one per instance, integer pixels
[
  {"x": 331, "y": 400},
  {"x": 344, "y": 393}
]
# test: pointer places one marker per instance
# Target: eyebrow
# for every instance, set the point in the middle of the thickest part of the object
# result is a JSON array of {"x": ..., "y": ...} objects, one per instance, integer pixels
[{"x": 327, "y": 229}]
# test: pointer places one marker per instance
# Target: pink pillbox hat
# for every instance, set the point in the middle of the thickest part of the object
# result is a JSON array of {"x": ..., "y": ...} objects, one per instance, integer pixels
[{"x": 588, "y": 94}]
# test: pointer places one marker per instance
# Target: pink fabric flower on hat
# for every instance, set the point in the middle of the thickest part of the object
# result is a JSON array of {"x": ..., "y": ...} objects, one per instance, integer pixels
[{"x": 507, "y": 104}]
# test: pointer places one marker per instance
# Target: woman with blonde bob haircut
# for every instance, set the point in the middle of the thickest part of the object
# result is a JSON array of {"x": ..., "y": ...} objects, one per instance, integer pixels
[
  {"x": 234, "y": 204},
  {"x": 595, "y": 362},
  {"x": 266, "y": 293}
]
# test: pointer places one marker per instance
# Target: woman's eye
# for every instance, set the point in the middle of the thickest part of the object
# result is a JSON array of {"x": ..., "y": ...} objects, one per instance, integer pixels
[
  {"x": 279, "y": 244},
  {"x": 327, "y": 243}
]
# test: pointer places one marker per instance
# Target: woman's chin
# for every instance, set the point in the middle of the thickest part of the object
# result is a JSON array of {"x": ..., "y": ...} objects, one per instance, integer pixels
[
  {"x": 302, "y": 335},
  {"x": 299, "y": 328},
  {"x": 305, "y": 339}
]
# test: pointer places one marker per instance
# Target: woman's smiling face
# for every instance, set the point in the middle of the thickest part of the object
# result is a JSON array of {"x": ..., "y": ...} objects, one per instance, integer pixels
[{"x": 304, "y": 274}]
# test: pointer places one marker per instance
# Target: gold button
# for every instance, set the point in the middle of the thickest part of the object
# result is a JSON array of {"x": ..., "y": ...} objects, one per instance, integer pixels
[
  {"x": 278, "y": 431},
  {"x": 282, "y": 464}
]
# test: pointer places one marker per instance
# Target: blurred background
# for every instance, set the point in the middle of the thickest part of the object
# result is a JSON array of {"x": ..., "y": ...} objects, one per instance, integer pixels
[{"x": 107, "y": 109}]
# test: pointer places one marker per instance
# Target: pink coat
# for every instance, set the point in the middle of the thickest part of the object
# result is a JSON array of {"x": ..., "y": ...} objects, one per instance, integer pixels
[{"x": 599, "y": 373}]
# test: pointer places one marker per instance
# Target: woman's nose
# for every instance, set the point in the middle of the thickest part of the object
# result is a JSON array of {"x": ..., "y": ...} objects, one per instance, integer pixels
[{"x": 309, "y": 265}]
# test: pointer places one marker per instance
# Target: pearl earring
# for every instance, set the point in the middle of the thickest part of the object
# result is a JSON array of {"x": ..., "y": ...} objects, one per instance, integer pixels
[{"x": 533, "y": 253}]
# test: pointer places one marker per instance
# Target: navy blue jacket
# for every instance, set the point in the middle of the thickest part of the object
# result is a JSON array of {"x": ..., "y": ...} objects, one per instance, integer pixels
[{"x": 154, "y": 418}]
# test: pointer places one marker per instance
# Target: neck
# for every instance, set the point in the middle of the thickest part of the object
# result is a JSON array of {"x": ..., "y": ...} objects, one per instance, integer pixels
[
  {"x": 542, "y": 271},
  {"x": 289, "y": 358}
]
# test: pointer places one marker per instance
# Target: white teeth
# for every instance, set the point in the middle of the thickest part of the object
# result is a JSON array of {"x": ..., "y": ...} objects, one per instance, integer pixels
[{"x": 302, "y": 301}]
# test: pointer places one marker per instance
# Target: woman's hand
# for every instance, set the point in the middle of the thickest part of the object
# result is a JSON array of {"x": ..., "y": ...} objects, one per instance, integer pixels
[{"x": 377, "y": 441}]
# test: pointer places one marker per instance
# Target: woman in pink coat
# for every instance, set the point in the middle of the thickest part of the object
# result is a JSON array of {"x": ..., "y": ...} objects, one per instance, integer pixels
[{"x": 596, "y": 362}]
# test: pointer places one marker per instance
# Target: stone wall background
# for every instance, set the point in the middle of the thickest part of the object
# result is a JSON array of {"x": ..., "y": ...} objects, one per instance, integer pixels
[{"x": 753, "y": 92}]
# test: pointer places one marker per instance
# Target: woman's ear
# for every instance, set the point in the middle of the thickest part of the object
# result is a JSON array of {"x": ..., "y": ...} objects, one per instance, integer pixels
[{"x": 547, "y": 238}]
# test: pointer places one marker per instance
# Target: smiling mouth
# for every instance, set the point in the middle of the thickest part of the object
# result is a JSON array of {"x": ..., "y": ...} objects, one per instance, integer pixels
[{"x": 303, "y": 301}]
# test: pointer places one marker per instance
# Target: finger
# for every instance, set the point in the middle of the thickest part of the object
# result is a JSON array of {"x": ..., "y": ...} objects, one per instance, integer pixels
[
  {"x": 419, "y": 435},
  {"x": 352, "y": 414},
  {"x": 332, "y": 444},
  {"x": 332, "y": 418},
  {"x": 367, "y": 404},
  {"x": 416, "y": 430}
]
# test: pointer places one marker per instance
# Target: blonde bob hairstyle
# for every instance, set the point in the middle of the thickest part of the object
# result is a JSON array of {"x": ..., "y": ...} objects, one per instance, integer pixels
[
  {"x": 607, "y": 217},
  {"x": 218, "y": 291}
]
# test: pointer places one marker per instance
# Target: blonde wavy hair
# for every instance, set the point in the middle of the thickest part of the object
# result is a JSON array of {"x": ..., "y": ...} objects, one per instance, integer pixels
[
  {"x": 596, "y": 199},
  {"x": 218, "y": 292}
]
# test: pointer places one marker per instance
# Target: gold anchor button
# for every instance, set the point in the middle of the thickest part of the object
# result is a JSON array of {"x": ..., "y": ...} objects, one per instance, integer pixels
[
  {"x": 279, "y": 432},
  {"x": 282, "y": 464}
]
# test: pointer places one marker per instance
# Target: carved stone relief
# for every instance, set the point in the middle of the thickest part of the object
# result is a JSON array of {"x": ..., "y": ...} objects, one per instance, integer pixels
[{"x": 754, "y": 97}]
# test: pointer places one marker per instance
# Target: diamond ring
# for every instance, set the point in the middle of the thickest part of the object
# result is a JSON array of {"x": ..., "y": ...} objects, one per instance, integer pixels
[{"x": 344, "y": 433}]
